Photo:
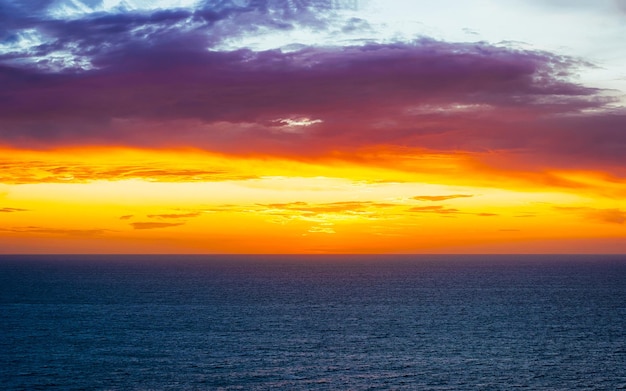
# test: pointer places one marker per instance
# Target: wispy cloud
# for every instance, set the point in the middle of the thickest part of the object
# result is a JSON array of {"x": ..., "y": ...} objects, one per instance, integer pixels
[
  {"x": 57, "y": 231},
  {"x": 175, "y": 215},
  {"x": 610, "y": 215},
  {"x": 72, "y": 171},
  {"x": 324, "y": 217},
  {"x": 439, "y": 209},
  {"x": 12, "y": 210},
  {"x": 441, "y": 197},
  {"x": 153, "y": 225},
  {"x": 80, "y": 35},
  {"x": 347, "y": 207},
  {"x": 322, "y": 229},
  {"x": 444, "y": 210}
]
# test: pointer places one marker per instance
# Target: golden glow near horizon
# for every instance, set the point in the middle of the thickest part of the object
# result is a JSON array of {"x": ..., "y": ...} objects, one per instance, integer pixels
[{"x": 114, "y": 200}]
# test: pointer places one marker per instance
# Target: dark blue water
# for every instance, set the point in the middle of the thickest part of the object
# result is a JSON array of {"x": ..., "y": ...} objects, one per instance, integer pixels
[{"x": 299, "y": 323}]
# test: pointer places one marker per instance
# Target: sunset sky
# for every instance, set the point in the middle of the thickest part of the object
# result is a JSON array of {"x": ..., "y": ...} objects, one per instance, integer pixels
[{"x": 322, "y": 126}]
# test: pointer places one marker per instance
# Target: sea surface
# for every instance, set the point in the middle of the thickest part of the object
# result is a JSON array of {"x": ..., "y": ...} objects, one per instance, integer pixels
[{"x": 313, "y": 322}]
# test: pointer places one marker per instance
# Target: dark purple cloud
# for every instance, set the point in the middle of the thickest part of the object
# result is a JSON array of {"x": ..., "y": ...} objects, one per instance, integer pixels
[{"x": 174, "y": 81}]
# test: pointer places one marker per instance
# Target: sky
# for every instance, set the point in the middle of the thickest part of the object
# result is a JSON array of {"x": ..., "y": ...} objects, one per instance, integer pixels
[{"x": 322, "y": 126}]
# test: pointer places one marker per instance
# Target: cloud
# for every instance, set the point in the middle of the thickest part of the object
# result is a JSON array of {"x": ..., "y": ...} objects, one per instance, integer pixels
[
  {"x": 324, "y": 216},
  {"x": 443, "y": 210},
  {"x": 129, "y": 78},
  {"x": 434, "y": 209},
  {"x": 126, "y": 217},
  {"x": 614, "y": 216},
  {"x": 321, "y": 229},
  {"x": 611, "y": 215},
  {"x": 343, "y": 80},
  {"x": 175, "y": 215},
  {"x": 12, "y": 210},
  {"x": 346, "y": 207},
  {"x": 58, "y": 231},
  {"x": 153, "y": 225},
  {"x": 431, "y": 95},
  {"x": 72, "y": 171},
  {"x": 75, "y": 35},
  {"x": 441, "y": 197}
]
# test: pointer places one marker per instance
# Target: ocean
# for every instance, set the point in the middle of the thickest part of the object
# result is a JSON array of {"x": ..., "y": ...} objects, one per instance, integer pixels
[{"x": 422, "y": 322}]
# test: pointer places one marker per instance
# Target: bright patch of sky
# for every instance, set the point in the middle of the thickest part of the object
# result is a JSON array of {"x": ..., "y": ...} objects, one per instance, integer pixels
[
  {"x": 21, "y": 41},
  {"x": 24, "y": 43},
  {"x": 64, "y": 9},
  {"x": 591, "y": 30}
]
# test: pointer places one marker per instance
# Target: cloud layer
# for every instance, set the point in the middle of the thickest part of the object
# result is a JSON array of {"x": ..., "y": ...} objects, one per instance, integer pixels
[{"x": 160, "y": 79}]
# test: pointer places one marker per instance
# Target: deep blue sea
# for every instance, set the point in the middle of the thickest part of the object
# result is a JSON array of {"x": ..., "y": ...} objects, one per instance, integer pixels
[{"x": 313, "y": 322}]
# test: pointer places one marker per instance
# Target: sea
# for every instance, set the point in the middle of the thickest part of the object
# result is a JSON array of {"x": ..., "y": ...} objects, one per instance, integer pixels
[{"x": 292, "y": 322}]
